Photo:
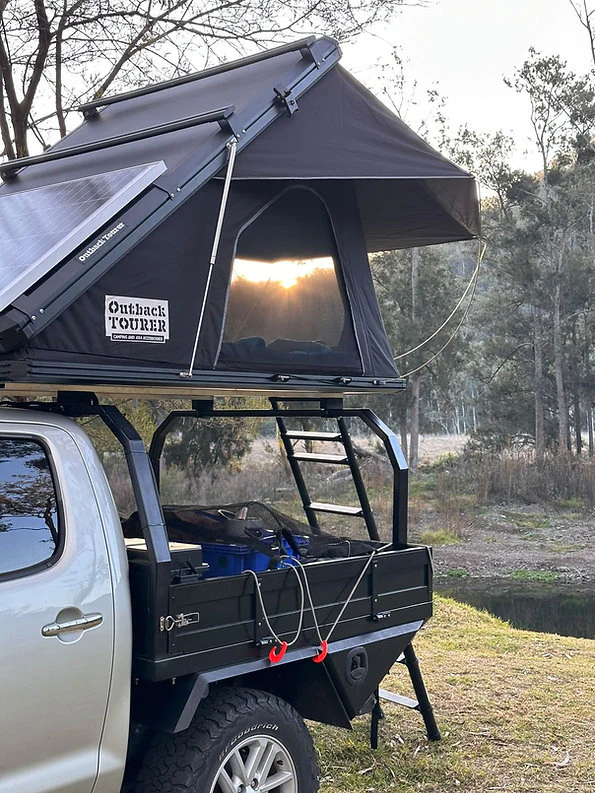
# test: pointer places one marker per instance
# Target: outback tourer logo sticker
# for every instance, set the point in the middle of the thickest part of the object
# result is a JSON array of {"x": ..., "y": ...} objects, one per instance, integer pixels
[
  {"x": 101, "y": 242},
  {"x": 136, "y": 319}
]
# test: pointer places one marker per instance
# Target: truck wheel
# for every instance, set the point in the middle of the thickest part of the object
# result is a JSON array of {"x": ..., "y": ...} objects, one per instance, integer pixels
[{"x": 241, "y": 741}]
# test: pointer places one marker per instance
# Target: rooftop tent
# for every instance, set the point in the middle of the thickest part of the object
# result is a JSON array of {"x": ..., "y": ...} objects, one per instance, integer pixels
[{"x": 107, "y": 239}]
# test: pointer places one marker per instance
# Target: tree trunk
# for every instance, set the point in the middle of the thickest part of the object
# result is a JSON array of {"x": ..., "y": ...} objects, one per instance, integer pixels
[
  {"x": 576, "y": 410},
  {"x": 19, "y": 126},
  {"x": 588, "y": 374},
  {"x": 559, "y": 365},
  {"x": 539, "y": 409},
  {"x": 4, "y": 127},
  {"x": 576, "y": 401},
  {"x": 414, "y": 441},
  {"x": 403, "y": 426},
  {"x": 415, "y": 377}
]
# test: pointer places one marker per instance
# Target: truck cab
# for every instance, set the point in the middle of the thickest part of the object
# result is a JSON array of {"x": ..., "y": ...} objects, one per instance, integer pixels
[{"x": 64, "y": 612}]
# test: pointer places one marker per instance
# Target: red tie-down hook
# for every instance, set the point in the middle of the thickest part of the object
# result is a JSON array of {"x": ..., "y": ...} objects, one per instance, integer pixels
[
  {"x": 274, "y": 656},
  {"x": 318, "y": 659}
]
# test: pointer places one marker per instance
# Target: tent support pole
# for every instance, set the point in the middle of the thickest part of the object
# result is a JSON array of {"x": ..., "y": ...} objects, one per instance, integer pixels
[{"x": 231, "y": 145}]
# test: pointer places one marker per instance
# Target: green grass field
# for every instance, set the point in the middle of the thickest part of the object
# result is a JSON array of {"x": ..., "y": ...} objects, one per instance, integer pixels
[{"x": 516, "y": 710}]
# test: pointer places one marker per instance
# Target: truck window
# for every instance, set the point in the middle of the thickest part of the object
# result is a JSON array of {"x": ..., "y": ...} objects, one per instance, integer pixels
[{"x": 29, "y": 527}]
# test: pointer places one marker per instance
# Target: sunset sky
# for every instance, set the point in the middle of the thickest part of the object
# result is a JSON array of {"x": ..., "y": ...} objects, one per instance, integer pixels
[{"x": 284, "y": 272}]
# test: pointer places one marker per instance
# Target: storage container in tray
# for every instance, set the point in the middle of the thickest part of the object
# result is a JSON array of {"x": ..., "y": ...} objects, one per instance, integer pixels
[{"x": 231, "y": 559}]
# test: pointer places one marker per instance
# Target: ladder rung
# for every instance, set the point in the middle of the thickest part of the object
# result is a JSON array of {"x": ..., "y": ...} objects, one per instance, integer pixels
[
  {"x": 398, "y": 699},
  {"x": 337, "y": 459},
  {"x": 337, "y": 509},
  {"x": 302, "y": 435}
]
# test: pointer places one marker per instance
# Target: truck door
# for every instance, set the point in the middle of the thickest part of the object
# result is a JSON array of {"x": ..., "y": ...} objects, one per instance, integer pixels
[{"x": 56, "y": 623}]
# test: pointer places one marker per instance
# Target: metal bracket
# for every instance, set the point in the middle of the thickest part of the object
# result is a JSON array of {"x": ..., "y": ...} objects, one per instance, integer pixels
[
  {"x": 374, "y": 614},
  {"x": 285, "y": 98},
  {"x": 179, "y": 621},
  {"x": 231, "y": 125},
  {"x": 260, "y": 639}
]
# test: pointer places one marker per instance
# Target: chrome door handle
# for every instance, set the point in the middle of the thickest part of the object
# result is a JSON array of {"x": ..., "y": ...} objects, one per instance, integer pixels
[{"x": 71, "y": 626}]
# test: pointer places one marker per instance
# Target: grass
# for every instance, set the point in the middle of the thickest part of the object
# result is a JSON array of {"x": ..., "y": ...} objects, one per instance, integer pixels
[
  {"x": 528, "y": 520},
  {"x": 515, "y": 709},
  {"x": 440, "y": 537},
  {"x": 457, "y": 572},
  {"x": 577, "y": 504},
  {"x": 512, "y": 476},
  {"x": 562, "y": 548},
  {"x": 534, "y": 575}
]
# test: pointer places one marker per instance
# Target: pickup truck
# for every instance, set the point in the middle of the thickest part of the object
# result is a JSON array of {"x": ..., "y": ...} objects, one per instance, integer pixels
[{"x": 126, "y": 670}]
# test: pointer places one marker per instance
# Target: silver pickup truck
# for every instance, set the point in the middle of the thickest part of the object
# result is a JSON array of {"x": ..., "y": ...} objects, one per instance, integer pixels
[{"x": 119, "y": 673}]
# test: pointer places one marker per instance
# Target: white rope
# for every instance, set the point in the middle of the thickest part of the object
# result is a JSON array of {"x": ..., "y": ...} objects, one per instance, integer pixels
[
  {"x": 264, "y": 611},
  {"x": 374, "y": 553},
  {"x": 455, "y": 309},
  {"x": 231, "y": 146},
  {"x": 456, "y": 330},
  {"x": 296, "y": 564},
  {"x": 293, "y": 563}
]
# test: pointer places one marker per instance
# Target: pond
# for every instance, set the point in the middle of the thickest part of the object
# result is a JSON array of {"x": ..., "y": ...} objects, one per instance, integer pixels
[{"x": 566, "y": 609}]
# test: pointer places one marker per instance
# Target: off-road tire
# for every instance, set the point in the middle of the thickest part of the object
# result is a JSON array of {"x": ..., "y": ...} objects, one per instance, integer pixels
[{"x": 190, "y": 761}]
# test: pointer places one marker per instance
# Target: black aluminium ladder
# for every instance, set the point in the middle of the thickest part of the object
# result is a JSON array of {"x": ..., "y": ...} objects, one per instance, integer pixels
[{"x": 290, "y": 437}]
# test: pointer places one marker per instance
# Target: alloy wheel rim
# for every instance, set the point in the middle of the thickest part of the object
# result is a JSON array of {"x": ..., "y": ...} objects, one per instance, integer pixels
[{"x": 259, "y": 764}]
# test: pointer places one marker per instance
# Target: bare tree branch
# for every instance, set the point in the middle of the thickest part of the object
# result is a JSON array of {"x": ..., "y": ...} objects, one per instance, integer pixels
[{"x": 49, "y": 48}]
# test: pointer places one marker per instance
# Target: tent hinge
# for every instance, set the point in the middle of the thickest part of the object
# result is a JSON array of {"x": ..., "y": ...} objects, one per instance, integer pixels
[
  {"x": 231, "y": 126},
  {"x": 285, "y": 98}
]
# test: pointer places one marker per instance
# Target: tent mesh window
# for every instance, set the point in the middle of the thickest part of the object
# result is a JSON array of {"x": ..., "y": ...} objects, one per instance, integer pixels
[{"x": 287, "y": 304}]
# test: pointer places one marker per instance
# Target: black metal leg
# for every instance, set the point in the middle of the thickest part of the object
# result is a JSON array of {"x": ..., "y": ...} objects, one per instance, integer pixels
[
  {"x": 425, "y": 706},
  {"x": 377, "y": 714}
]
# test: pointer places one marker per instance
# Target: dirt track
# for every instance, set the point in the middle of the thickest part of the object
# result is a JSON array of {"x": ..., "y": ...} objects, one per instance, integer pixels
[{"x": 505, "y": 540}]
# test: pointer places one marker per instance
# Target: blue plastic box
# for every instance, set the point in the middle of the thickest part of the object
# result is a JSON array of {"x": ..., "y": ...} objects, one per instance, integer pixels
[{"x": 224, "y": 559}]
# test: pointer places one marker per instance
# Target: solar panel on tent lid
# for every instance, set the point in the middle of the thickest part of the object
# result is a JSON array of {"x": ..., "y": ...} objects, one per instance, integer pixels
[{"x": 40, "y": 227}]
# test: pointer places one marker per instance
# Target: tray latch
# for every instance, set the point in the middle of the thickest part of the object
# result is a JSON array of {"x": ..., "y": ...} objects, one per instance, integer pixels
[{"x": 179, "y": 621}]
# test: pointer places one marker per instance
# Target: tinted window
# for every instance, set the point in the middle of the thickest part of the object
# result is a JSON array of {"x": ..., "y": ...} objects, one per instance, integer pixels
[{"x": 28, "y": 510}]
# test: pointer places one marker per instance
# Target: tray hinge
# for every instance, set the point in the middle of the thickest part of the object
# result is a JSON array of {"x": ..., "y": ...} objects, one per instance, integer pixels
[{"x": 179, "y": 621}]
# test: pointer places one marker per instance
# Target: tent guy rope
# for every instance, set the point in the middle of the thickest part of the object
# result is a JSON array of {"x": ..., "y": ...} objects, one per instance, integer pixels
[{"x": 472, "y": 283}]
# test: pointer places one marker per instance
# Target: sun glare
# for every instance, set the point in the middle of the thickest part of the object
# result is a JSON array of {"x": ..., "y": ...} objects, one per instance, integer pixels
[{"x": 286, "y": 272}]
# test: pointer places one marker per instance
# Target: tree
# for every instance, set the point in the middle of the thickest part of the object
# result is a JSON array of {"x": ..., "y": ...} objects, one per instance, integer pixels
[
  {"x": 585, "y": 14},
  {"x": 562, "y": 114},
  {"x": 210, "y": 445},
  {"x": 417, "y": 290},
  {"x": 56, "y": 53},
  {"x": 562, "y": 105}
]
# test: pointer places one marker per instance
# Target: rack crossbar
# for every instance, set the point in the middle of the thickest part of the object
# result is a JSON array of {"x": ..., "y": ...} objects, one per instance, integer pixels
[
  {"x": 9, "y": 169},
  {"x": 304, "y": 46}
]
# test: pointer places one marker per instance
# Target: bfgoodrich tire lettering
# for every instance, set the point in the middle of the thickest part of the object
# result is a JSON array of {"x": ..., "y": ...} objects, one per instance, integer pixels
[{"x": 241, "y": 741}]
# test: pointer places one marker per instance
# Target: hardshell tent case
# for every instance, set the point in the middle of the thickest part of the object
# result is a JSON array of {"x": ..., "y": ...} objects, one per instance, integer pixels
[{"x": 121, "y": 250}]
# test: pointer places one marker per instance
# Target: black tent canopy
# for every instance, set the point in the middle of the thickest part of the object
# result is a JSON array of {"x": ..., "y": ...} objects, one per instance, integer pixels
[{"x": 212, "y": 233}]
